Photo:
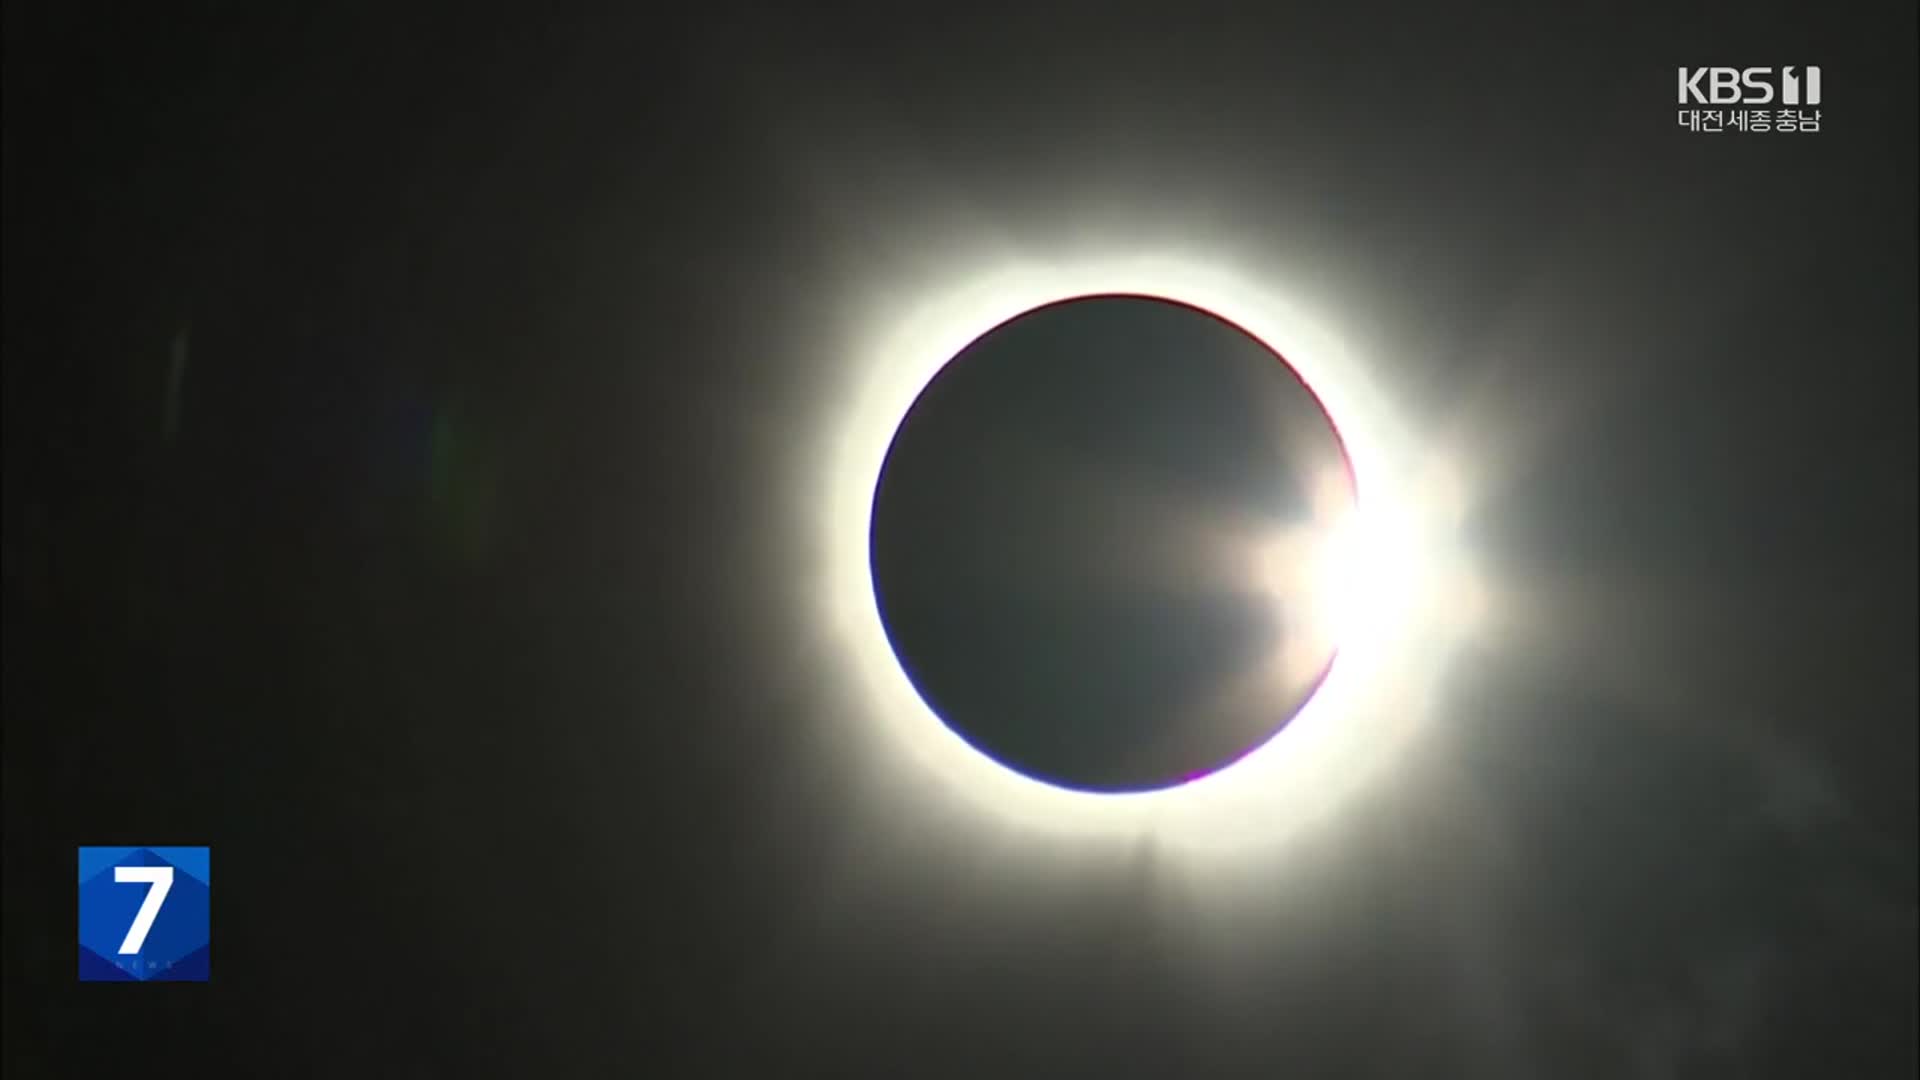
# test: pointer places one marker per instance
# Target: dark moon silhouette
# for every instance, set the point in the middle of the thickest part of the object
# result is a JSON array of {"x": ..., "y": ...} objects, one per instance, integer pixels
[{"x": 1065, "y": 541}]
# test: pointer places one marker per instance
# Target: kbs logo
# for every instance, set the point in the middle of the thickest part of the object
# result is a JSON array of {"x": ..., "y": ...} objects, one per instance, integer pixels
[
  {"x": 1749, "y": 86},
  {"x": 144, "y": 914},
  {"x": 1786, "y": 89}
]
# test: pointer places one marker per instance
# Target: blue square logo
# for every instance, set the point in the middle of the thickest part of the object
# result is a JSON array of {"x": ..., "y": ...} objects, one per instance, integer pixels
[{"x": 144, "y": 914}]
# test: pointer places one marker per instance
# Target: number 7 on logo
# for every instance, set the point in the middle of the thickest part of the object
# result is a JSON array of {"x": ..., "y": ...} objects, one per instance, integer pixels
[{"x": 160, "y": 881}]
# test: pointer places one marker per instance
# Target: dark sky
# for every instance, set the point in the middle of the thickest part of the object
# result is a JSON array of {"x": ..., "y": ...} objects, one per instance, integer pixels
[{"x": 407, "y": 427}]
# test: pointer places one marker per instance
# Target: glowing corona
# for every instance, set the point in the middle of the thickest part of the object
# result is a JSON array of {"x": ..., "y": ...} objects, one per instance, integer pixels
[{"x": 1384, "y": 581}]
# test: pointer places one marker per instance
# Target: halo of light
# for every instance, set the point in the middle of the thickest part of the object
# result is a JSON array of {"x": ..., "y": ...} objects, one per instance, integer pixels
[{"x": 1379, "y": 577}]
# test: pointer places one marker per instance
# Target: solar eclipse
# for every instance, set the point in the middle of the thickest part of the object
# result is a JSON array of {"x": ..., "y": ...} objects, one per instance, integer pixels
[
  {"x": 1095, "y": 542},
  {"x": 1377, "y": 582}
]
